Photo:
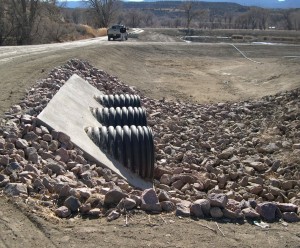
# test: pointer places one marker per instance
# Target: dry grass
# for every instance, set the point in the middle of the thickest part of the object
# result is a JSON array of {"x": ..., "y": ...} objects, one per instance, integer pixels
[{"x": 92, "y": 32}]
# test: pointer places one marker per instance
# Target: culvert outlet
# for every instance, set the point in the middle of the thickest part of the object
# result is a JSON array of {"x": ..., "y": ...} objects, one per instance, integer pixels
[{"x": 119, "y": 141}]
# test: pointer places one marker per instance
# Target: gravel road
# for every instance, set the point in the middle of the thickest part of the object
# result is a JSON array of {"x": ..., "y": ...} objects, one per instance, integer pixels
[{"x": 9, "y": 53}]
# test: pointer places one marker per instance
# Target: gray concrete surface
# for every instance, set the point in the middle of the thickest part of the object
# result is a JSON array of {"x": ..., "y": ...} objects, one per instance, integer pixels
[{"x": 69, "y": 112}]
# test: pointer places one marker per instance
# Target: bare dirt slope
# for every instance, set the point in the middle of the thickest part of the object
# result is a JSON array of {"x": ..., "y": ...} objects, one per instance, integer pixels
[{"x": 163, "y": 68}]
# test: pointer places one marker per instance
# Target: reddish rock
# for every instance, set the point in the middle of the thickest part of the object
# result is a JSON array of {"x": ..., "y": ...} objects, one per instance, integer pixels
[
  {"x": 85, "y": 208},
  {"x": 63, "y": 154},
  {"x": 167, "y": 206},
  {"x": 178, "y": 184},
  {"x": 163, "y": 196},
  {"x": 56, "y": 167},
  {"x": 185, "y": 178},
  {"x": 226, "y": 154},
  {"x": 62, "y": 212},
  {"x": 287, "y": 207},
  {"x": 165, "y": 179},
  {"x": 250, "y": 213},
  {"x": 150, "y": 201},
  {"x": 183, "y": 208},
  {"x": 113, "y": 197},
  {"x": 63, "y": 138},
  {"x": 127, "y": 203},
  {"x": 31, "y": 136},
  {"x": 4, "y": 160},
  {"x": 204, "y": 204},
  {"x": 237, "y": 214},
  {"x": 216, "y": 212},
  {"x": 196, "y": 210},
  {"x": 21, "y": 144},
  {"x": 47, "y": 137},
  {"x": 218, "y": 200},
  {"x": 113, "y": 215}
]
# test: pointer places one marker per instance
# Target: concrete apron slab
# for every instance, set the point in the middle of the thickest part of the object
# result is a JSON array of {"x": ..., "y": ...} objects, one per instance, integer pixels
[{"x": 69, "y": 112}]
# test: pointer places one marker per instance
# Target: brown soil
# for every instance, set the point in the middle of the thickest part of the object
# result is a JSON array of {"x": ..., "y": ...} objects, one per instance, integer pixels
[{"x": 164, "y": 68}]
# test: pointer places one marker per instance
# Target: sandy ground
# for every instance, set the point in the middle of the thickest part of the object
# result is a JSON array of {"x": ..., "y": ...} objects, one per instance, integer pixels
[{"x": 160, "y": 66}]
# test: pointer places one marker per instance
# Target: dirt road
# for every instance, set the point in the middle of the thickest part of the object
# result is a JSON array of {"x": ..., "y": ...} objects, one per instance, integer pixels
[{"x": 161, "y": 68}]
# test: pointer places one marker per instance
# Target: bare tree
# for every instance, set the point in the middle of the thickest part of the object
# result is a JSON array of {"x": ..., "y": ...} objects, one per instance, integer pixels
[
  {"x": 242, "y": 21},
  {"x": 148, "y": 19},
  {"x": 260, "y": 16},
  {"x": 264, "y": 16},
  {"x": 190, "y": 11},
  {"x": 228, "y": 17},
  {"x": 76, "y": 16},
  {"x": 287, "y": 17},
  {"x": 106, "y": 11},
  {"x": 252, "y": 18},
  {"x": 20, "y": 20},
  {"x": 134, "y": 18},
  {"x": 5, "y": 28},
  {"x": 255, "y": 18},
  {"x": 295, "y": 16},
  {"x": 177, "y": 22},
  {"x": 24, "y": 14}
]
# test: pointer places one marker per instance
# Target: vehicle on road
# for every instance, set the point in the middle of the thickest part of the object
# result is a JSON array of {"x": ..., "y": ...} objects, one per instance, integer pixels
[{"x": 117, "y": 31}]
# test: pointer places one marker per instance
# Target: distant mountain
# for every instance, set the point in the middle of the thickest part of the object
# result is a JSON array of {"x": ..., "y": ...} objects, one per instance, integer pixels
[
  {"x": 158, "y": 8},
  {"x": 271, "y": 4}
]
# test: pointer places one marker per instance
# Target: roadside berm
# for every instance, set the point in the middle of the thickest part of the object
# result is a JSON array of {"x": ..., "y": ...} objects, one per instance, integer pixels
[{"x": 228, "y": 160}]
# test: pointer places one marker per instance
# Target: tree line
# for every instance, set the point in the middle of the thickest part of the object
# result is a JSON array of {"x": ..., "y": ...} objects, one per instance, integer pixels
[
  {"x": 22, "y": 21},
  {"x": 185, "y": 14},
  {"x": 43, "y": 21}
]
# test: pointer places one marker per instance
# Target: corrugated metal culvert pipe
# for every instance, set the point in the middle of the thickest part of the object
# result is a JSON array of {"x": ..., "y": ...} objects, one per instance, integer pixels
[{"x": 124, "y": 133}]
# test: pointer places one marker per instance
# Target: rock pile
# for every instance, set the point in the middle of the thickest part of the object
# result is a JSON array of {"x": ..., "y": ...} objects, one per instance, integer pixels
[{"x": 226, "y": 160}]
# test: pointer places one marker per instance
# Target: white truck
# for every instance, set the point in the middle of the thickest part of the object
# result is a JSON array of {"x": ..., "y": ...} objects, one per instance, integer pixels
[{"x": 117, "y": 31}]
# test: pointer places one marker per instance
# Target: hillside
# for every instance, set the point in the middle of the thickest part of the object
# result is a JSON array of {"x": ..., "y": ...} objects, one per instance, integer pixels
[
  {"x": 223, "y": 7},
  {"x": 284, "y": 4}
]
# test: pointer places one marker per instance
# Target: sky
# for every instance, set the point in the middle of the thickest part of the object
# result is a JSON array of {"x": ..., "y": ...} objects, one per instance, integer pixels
[{"x": 139, "y": 0}]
